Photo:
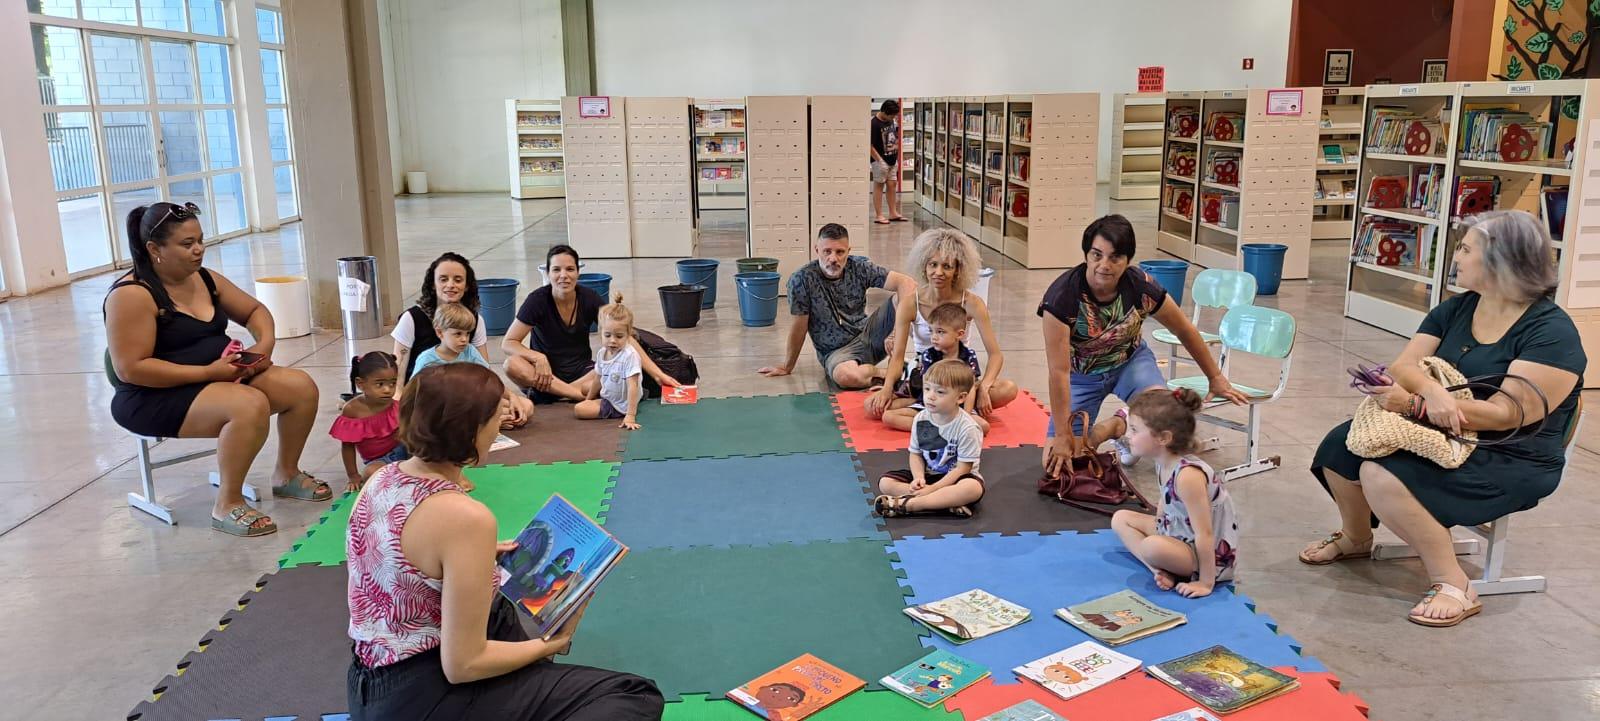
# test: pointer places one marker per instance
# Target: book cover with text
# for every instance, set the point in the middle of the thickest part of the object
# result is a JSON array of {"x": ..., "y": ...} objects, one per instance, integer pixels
[
  {"x": 1222, "y": 680},
  {"x": 966, "y": 616},
  {"x": 1078, "y": 669},
  {"x": 796, "y": 689},
  {"x": 935, "y": 677},
  {"x": 1120, "y": 617},
  {"x": 560, "y": 557}
]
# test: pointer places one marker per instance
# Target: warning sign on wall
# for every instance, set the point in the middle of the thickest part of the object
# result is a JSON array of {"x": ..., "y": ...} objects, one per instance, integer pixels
[{"x": 1153, "y": 79}]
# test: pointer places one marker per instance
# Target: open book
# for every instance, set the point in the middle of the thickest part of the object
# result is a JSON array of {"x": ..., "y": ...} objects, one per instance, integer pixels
[{"x": 559, "y": 559}]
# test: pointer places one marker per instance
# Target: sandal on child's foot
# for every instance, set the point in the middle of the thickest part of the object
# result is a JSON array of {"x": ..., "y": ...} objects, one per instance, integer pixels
[{"x": 891, "y": 506}]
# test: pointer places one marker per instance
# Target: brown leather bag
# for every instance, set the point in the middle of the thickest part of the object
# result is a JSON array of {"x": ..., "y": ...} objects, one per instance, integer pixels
[{"x": 1093, "y": 480}]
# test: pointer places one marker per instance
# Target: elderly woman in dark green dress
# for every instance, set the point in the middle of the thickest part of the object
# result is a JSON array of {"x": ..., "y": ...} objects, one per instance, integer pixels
[{"x": 1505, "y": 323}]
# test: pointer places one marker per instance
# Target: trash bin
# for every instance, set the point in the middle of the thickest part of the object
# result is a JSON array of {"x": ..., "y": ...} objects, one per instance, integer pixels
[
  {"x": 1265, "y": 262},
  {"x": 680, "y": 304},
  {"x": 757, "y": 265},
  {"x": 758, "y": 297},
  {"x": 599, "y": 283},
  {"x": 1171, "y": 274},
  {"x": 700, "y": 271},
  {"x": 982, "y": 286},
  {"x": 288, "y": 299},
  {"x": 544, "y": 272},
  {"x": 358, "y": 297},
  {"x": 497, "y": 301},
  {"x": 417, "y": 182}
]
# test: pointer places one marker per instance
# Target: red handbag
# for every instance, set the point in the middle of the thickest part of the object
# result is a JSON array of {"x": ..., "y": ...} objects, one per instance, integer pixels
[{"x": 1093, "y": 480}]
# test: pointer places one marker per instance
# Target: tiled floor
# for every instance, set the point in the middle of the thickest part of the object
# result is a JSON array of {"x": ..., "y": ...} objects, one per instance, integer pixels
[{"x": 100, "y": 601}]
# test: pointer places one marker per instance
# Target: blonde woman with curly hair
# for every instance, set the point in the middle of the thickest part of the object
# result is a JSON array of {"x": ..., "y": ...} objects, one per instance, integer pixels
[{"x": 945, "y": 264}]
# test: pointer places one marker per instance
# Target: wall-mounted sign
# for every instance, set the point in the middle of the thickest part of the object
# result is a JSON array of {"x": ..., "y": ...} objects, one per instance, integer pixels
[
  {"x": 1336, "y": 66},
  {"x": 1433, "y": 71},
  {"x": 1289, "y": 101},
  {"x": 594, "y": 106},
  {"x": 1153, "y": 79}
]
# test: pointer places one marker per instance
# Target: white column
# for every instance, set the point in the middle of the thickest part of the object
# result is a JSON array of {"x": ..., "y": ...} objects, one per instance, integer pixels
[
  {"x": 31, "y": 250},
  {"x": 261, "y": 198}
]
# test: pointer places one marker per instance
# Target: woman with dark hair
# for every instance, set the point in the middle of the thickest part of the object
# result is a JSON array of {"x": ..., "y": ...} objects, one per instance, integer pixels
[
  {"x": 433, "y": 638},
  {"x": 554, "y": 320},
  {"x": 449, "y": 280},
  {"x": 179, "y": 375},
  {"x": 1093, "y": 347}
]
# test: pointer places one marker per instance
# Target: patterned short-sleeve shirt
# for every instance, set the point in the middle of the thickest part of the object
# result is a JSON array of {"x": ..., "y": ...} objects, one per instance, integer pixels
[
  {"x": 837, "y": 306},
  {"x": 1104, "y": 335}
]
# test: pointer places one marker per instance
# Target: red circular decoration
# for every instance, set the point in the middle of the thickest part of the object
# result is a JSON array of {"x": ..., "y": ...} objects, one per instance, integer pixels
[
  {"x": 1384, "y": 195},
  {"x": 1212, "y": 210},
  {"x": 1516, "y": 144},
  {"x": 1419, "y": 140},
  {"x": 1227, "y": 172},
  {"x": 1186, "y": 126},
  {"x": 1183, "y": 165},
  {"x": 1222, "y": 130},
  {"x": 1389, "y": 251},
  {"x": 1185, "y": 205}
]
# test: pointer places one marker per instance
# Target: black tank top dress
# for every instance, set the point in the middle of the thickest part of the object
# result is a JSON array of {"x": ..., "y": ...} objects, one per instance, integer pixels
[{"x": 180, "y": 338}]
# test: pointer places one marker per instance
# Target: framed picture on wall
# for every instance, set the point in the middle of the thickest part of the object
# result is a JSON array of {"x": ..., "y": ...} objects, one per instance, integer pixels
[
  {"x": 1336, "y": 67},
  {"x": 1433, "y": 71}
]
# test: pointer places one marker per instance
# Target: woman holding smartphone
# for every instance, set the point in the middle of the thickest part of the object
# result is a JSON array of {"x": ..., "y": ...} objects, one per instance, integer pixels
[{"x": 179, "y": 375}]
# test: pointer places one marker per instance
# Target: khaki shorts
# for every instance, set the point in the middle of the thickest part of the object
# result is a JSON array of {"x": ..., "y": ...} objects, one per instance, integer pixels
[{"x": 880, "y": 172}]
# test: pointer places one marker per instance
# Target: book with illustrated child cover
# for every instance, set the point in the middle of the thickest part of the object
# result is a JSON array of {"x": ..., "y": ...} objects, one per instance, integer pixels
[
  {"x": 1194, "y": 714},
  {"x": 934, "y": 677},
  {"x": 966, "y": 616},
  {"x": 796, "y": 689},
  {"x": 680, "y": 395},
  {"x": 1029, "y": 710},
  {"x": 1121, "y": 617},
  {"x": 559, "y": 560},
  {"x": 1079, "y": 669},
  {"x": 1222, "y": 680}
]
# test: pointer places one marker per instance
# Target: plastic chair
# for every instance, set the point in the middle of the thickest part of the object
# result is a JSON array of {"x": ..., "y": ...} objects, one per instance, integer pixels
[
  {"x": 1213, "y": 288},
  {"x": 146, "y": 501},
  {"x": 1258, "y": 331},
  {"x": 1494, "y": 533}
]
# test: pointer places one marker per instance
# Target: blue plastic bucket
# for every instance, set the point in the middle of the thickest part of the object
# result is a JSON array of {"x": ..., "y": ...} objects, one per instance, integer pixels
[
  {"x": 599, "y": 283},
  {"x": 758, "y": 297},
  {"x": 700, "y": 271},
  {"x": 1171, "y": 274},
  {"x": 1265, "y": 262},
  {"x": 497, "y": 298}
]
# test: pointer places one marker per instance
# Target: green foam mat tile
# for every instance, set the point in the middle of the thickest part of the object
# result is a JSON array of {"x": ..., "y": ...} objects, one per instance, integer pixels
[
  {"x": 859, "y": 706},
  {"x": 705, "y": 620},
  {"x": 514, "y": 493},
  {"x": 745, "y": 426}
]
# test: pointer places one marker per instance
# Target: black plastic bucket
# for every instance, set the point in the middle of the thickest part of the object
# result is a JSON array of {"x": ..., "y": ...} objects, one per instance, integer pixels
[{"x": 680, "y": 304}]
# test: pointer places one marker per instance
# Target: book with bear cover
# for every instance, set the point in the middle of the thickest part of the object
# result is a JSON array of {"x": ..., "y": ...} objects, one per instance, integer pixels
[
  {"x": 1222, "y": 680},
  {"x": 966, "y": 616},
  {"x": 796, "y": 689},
  {"x": 1078, "y": 669},
  {"x": 1121, "y": 617},
  {"x": 934, "y": 677}
]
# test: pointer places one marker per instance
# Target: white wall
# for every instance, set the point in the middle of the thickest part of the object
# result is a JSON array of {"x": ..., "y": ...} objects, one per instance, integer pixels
[
  {"x": 455, "y": 62},
  {"x": 908, "y": 48}
]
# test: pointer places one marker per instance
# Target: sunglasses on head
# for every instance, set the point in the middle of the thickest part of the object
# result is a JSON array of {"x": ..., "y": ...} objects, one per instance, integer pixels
[{"x": 180, "y": 212}]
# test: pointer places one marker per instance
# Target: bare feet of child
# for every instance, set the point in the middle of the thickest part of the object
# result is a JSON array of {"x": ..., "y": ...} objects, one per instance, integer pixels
[{"x": 1165, "y": 581}]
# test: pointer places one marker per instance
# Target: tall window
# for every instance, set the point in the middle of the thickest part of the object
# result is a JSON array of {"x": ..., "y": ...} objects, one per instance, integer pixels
[
  {"x": 139, "y": 107},
  {"x": 269, "y": 27}
]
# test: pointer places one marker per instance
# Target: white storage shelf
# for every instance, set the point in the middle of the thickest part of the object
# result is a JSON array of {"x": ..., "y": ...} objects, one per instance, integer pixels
[
  {"x": 729, "y": 193},
  {"x": 536, "y": 149}
]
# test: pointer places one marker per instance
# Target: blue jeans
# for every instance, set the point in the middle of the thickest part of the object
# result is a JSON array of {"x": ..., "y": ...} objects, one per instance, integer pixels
[{"x": 1089, "y": 391}]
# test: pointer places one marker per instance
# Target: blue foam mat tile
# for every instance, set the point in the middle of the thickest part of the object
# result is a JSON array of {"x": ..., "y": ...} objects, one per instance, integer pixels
[
  {"x": 1046, "y": 572},
  {"x": 755, "y": 500}
]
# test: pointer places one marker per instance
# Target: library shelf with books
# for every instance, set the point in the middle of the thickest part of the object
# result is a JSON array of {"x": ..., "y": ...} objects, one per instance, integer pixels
[
  {"x": 1180, "y": 173},
  {"x": 908, "y": 134},
  {"x": 1338, "y": 160},
  {"x": 720, "y": 146},
  {"x": 538, "y": 165},
  {"x": 1137, "y": 129},
  {"x": 925, "y": 148},
  {"x": 778, "y": 178},
  {"x": 972, "y": 165},
  {"x": 991, "y": 231}
]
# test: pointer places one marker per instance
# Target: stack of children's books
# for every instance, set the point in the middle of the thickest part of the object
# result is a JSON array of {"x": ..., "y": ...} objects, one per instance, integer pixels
[
  {"x": 1394, "y": 243},
  {"x": 966, "y": 616},
  {"x": 1222, "y": 166},
  {"x": 1121, "y": 617},
  {"x": 1183, "y": 122},
  {"x": 1503, "y": 135},
  {"x": 1475, "y": 194},
  {"x": 1181, "y": 161},
  {"x": 1177, "y": 199},
  {"x": 1226, "y": 126},
  {"x": 1398, "y": 130}
]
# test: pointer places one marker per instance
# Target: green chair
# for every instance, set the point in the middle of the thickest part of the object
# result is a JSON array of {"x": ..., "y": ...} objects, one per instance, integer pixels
[
  {"x": 146, "y": 501},
  {"x": 1213, "y": 288},
  {"x": 1264, "y": 332}
]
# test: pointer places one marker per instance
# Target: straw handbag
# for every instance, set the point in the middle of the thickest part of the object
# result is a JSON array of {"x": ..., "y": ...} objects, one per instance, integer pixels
[{"x": 1375, "y": 432}]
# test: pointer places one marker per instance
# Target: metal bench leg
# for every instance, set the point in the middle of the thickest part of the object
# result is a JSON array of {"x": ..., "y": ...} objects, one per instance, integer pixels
[
  {"x": 147, "y": 501},
  {"x": 1494, "y": 562},
  {"x": 250, "y": 493},
  {"x": 1252, "y": 464},
  {"x": 1391, "y": 551}
]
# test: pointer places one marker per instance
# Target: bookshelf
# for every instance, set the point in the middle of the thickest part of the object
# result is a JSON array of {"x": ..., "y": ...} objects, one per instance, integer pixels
[
  {"x": 1232, "y": 173},
  {"x": 661, "y": 177},
  {"x": 533, "y": 130},
  {"x": 991, "y": 200},
  {"x": 924, "y": 149},
  {"x": 1332, "y": 200},
  {"x": 1138, "y": 125},
  {"x": 841, "y": 188},
  {"x": 779, "y": 163},
  {"x": 972, "y": 166},
  {"x": 908, "y": 165},
  {"x": 596, "y": 168},
  {"x": 719, "y": 147},
  {"x": 954, "y": 171}
]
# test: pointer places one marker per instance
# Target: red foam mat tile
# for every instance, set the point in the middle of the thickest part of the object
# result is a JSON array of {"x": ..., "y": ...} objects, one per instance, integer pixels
[
  {"x": 1021, "y": 423},
  {"x": 1138, "y": 697}
]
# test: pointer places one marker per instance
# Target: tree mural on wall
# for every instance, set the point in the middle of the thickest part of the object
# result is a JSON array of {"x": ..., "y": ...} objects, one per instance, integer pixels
[{"x": 1546, "y": 39}]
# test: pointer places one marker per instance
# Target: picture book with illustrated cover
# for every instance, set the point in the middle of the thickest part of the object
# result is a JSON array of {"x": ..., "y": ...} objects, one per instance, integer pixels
[
  {"x": 560, "y": 558},
  {"x": 1029, "y": 710},
  {"x": 1079, "y": 669},
  {"x": 1222, "y": 680},
  {"x": 1553, "y": 209},
  {"x": 934, "y": 677},
  {"x": 1333, "y": 153},
  {"x": 502, "y": 442},
  {"x": 1121, "y": 617},
  {"x": 966, "y": 616},
  {"x": 796, "y": 689},
  {"x": 680, "y": 395},
  {"x": 1194, "y": 714}
]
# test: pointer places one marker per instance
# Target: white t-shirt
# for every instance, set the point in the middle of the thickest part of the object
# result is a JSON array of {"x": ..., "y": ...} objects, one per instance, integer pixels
[
  {"x": 942, "y": 447},
  {"x": 405, "y": 331},
  {"x": 614, "y": 373}
]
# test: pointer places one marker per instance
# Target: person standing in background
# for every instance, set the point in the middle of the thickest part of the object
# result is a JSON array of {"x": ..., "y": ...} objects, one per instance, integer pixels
[{"x": 886, "y": 162}]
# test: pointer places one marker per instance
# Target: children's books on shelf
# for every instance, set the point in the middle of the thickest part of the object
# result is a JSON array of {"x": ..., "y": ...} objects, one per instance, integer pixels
[
  {"x": 1183, "y": 121},
  {"x": 1382, "y": 241},
  {"x": 1553, "y": 210},
  {"x": 1475, "y": 194},
  {"x": 966, "y": 616},
  {"x": 561, "y": 556},
  {"x": 1222, "y": 166},
  {"x": 935, "y": 677},
  {"x": 1503, "y": 135},
  {"x": 1178, "y": 198},
  {"x": 1181, "y": 161},
  {"x": 1387, "y": 191},
  {"x": 1333, "y": 153},
  {"x": 1022, "y": 127},
  {"x": 796, "y": 689},
  {"x": 1398, "y": 130},
  {"x": 994, "y": 123},
  {"x": 1221, "y": 680},
  {"x": 1121, "y": 617},
  {"x": 1225, "y": 125},
  {"x": 1026, "y": 710},
  {"x": 1078, "y": 669}
]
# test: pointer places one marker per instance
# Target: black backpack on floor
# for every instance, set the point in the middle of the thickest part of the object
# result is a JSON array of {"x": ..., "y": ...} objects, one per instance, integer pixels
[{"x": 670, "y": 358}]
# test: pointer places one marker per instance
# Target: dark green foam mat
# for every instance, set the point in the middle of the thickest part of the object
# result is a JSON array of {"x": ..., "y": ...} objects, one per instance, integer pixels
[
  {"x": 514, "y": 493},
  {"x": 723, "y": 427},
  {"x": 859, "y": 706},
  {"x": 706, "y": 620}
]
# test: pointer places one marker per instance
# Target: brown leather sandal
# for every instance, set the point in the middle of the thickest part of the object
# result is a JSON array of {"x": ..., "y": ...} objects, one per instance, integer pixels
[{"x": 1334, "y": 540}]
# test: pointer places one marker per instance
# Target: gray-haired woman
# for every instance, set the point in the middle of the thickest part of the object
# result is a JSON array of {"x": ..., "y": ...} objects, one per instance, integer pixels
[{"x": 1504, "y": 323}]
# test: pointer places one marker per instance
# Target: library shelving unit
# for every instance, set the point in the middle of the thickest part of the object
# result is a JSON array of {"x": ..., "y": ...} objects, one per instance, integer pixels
[
  {"x": 1333, "y": 200},
  {"x": 991, "y": 227},
  {"x": 955, "y": 147},
  {"x": 841, "y": 192},
  {"x": 972, "y": 166},
  {"x": 596, "y": 158},
  {"x": 719, "y": 147},
  {"x": 661, "y": 177},
  {"x": 779, "y": 157},
  {"x": 533, "y": 128},
  {"x": 1251, "y": 175},
  {"x": 924, "y": 149},
  {"x": 1137, "y": 127}
]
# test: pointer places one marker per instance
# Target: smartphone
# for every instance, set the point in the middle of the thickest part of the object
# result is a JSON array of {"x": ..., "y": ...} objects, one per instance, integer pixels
[{"x": 247, "y": 359}]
